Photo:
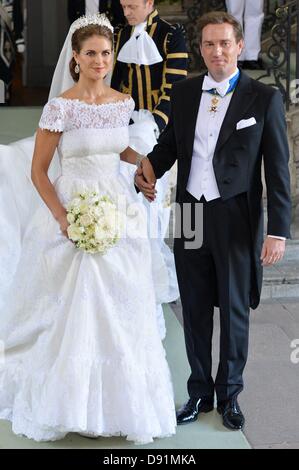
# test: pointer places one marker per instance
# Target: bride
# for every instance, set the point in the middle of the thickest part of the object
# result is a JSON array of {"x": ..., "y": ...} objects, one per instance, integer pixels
[
  {"x": 82, "y": 351},
  {"x": 20, "y": 200}
]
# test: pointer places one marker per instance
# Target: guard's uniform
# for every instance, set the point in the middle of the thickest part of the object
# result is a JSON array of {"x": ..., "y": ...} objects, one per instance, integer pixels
[
  {"x": 250, "y": 13},
  {"x": 149, "y": 58},
  {"x": 150, "y": 85}
]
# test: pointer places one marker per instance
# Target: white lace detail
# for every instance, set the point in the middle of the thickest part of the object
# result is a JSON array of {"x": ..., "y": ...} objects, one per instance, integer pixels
[
  {"x": 63, "y": 115},
  {"x": 82, "y": 345},
  {"x": 53, "y": 116}
]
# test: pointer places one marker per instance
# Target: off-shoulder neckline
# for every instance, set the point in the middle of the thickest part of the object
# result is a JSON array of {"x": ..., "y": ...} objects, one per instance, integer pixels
[{"x": 77, "y": 100}]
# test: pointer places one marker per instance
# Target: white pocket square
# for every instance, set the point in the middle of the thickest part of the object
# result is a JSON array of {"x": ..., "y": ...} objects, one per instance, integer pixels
[{"x": 245, "y": 123}]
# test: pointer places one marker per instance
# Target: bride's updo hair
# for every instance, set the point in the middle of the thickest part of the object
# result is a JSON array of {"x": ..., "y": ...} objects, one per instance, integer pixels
[{"x": 80, "y": 35}]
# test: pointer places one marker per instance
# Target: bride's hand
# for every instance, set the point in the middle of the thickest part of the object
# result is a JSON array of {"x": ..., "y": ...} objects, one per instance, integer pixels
[{"x": 63, "y": 223}]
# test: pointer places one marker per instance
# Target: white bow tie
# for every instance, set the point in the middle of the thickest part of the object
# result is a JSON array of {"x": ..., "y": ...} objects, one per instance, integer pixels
[
  {"x": 221, "y": 87},
  {"x": 140, "y": 48}
]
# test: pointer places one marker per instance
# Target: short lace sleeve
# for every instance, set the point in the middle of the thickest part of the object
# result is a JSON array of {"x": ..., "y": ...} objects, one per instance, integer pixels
[
  {"x": 53, "y": 117},
  {"x": 131, "y": 104}
]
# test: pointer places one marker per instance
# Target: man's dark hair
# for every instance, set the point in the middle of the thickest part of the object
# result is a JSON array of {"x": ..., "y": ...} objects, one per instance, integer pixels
[{"x": 220, "y": 17}]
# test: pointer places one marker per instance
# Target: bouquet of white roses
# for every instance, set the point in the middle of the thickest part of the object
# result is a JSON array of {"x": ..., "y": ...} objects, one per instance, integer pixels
[{"x": 95, "y": 223}]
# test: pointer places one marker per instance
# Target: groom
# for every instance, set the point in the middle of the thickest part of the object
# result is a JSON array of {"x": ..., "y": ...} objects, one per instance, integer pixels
[{"x": 222, "y": 126}]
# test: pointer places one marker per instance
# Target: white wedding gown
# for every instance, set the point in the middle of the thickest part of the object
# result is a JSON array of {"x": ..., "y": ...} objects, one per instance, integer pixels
[
  {"x": 19, "y": 201},
  {"x": 82, "y": 346}
]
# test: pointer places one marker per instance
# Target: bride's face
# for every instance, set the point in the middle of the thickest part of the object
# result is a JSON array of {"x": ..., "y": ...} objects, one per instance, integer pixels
[{"x": 95, "y": 58}]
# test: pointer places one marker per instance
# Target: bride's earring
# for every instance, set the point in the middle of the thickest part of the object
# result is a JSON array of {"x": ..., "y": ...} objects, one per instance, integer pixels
[{"x": 77, "y": 68}]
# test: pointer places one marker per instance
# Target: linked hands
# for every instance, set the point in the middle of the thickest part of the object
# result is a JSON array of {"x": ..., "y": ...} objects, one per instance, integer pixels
[{"x": 145, "y": 180}]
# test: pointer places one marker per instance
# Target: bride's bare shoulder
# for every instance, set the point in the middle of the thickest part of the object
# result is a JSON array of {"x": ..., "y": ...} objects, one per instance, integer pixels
[
  {"x": 69, "y": 94},
  {"x": 117, "y": 96}
]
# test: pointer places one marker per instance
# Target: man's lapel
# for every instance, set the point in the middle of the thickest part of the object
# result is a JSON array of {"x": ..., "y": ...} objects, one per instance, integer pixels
[
  {"x": 242, "y": 98},
  {"x": 192, "y": 106}
]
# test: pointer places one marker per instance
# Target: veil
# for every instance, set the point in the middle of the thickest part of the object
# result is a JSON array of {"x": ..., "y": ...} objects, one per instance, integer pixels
[
  {"x": 19, "y": 200},
  {"x": 62, "y": 79},
  {"x": 24, "y": 196}
]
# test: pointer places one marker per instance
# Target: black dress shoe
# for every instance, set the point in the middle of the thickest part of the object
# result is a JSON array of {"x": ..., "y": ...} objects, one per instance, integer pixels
[
  {"x": 192, "y": 408},
  {"x": 253, "y": 65},
  {"x": 232, "y": 416}
]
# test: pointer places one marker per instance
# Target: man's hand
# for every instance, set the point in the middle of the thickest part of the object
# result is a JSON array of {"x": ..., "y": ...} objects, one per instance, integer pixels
[
  {"x": 272, "y": 251},
  {"x": 145, "y": 180}
]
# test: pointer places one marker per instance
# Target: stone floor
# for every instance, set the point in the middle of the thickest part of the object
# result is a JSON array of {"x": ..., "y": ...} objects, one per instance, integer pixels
[
  {"x": 270, "y": 397},
  {"x": 207, "y": 433},
  {"x": 271, "y": 380}
]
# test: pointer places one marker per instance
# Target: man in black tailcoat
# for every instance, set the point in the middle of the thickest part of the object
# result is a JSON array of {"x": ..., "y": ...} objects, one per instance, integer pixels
[{"x": 223, "y": 125}]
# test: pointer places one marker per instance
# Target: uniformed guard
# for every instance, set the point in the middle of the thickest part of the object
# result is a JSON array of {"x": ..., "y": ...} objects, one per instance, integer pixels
[
  {"x": 250, "y": 14},
  {"x": 150, "y": 55}
]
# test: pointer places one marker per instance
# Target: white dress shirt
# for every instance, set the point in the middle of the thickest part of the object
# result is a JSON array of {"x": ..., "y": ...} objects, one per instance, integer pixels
[{"x": 202, "y": 180}]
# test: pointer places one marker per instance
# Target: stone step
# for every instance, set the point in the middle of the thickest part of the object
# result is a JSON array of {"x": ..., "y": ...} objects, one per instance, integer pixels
[{"x": 282, "y": 280}]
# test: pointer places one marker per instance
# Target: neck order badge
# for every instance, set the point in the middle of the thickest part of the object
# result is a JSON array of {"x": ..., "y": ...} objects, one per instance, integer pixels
[{"x": 218, "y": 92}]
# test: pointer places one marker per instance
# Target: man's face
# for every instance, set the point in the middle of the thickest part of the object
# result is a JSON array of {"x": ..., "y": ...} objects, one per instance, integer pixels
[
  {"x": 137, "y": 11},
  {"x": 220, "y": 50}
]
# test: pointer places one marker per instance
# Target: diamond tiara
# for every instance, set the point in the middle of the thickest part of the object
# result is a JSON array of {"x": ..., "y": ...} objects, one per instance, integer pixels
[{"x": 98, "y": 18}]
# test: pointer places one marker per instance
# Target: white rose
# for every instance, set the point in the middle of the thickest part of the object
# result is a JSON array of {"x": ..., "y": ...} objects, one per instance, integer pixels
[
  {"x": 85, "y": 220},
  {"x": 93, "y": 200},
  {"x": 97, "y": 211},
  {"x": 74, "y": 232},
  {"x": 75, "y": 209},
  {"x": 99, "y": 233},
  {"x": 70, "y": 218},
  {"x": 83, "y": 208},
  {"x": 75, "y": 202}
]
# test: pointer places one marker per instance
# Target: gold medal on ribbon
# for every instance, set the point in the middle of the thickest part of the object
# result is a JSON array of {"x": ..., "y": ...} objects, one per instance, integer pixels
[{"x": 214, "y": 104}]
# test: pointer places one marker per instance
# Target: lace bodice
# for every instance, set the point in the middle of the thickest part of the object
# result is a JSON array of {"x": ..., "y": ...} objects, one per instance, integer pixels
[
  {"x": 63, "y": 115},
  {"x": 89, "y": 131}
]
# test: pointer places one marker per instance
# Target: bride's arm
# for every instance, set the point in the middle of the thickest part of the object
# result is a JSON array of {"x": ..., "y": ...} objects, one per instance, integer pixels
[
  {"x": 129, "y": 155},
  {"x": 145, "y": 171},
  {"x": 45, "y": 146}
]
